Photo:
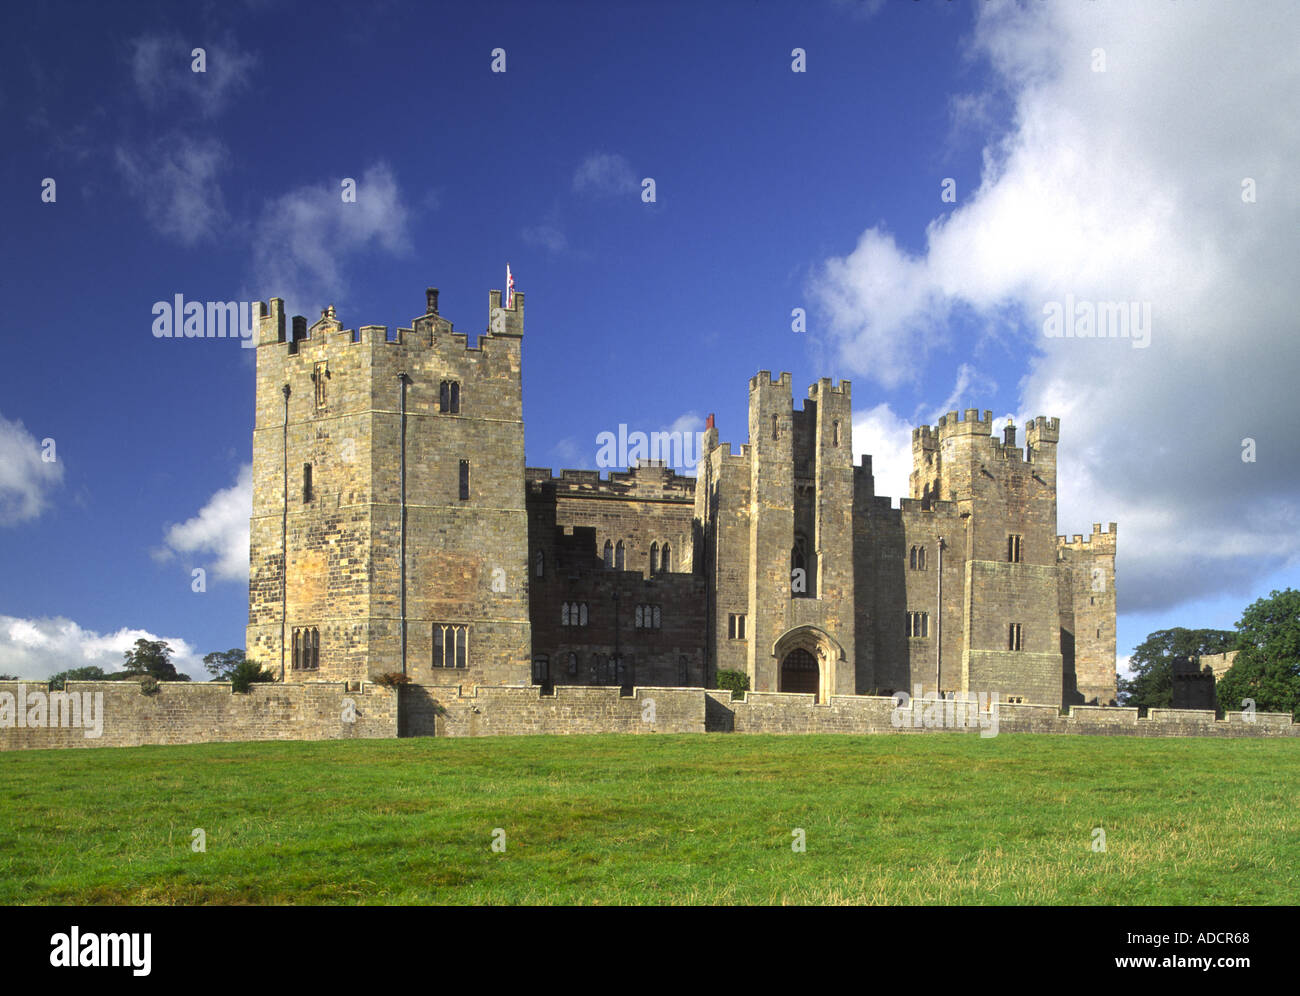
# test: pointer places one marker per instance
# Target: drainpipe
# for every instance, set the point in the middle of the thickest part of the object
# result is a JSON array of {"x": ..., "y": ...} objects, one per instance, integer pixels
[
  {"x": 284, "y": 535},
  {"x": 402, "y": 555},
  {"x": 938, "y": 625}
]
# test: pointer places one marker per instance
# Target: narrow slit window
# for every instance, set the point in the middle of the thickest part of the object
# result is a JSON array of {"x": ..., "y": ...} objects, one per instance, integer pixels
[
  {"x": 464, "y": 480},
  {"x": 1014, "y": 549},
  {"x": 318, "y": 375}
]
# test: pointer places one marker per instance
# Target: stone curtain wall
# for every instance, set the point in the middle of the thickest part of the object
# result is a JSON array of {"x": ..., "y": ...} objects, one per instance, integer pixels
[
  {"x": 488, "y": 711},
  {"x": 766, "y": 712},
  {"x": 201, "y": 712}
]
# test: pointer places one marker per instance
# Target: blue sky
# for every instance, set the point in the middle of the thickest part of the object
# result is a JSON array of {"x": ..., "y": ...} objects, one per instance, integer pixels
[{"x": 774, "y": 190}]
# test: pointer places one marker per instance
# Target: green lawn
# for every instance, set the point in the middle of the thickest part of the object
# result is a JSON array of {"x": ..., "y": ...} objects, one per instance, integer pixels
[{"x": 935, "y": 818}]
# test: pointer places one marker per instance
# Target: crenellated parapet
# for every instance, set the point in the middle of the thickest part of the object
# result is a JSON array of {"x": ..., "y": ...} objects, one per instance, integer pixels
[
  {"x": 970, "y": 424},
  {"x": 430, "y": 332},
  {"x": 1099, "y": 541},
  {"x": 650, "y": 479}
]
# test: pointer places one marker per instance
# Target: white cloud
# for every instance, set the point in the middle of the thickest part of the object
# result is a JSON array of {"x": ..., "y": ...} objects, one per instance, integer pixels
[
  {"x": 571, "y": 454},
  {"x": 175, "y": 178},
  {"x": 25, "y": 479},
  {"x": 303, "y": 238},
  {"x": 39, "y": 648},
  {"x": 605, "y": 174},
  {"x": 686, "y": 422},
  {"x": 162, "y": 67},
  {"x": 217, "y": 537},
  {"x": 548, "y": 237},
  {"x": 887, "y": 439},
  {"x": 1125, "y": 185}
]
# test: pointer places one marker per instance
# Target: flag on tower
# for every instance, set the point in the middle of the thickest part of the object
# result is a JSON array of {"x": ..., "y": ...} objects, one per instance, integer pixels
[{"x": 510, "y": 288}]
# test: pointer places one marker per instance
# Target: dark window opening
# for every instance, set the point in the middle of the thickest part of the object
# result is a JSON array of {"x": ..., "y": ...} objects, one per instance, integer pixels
[{"x": 449, "y": 397}]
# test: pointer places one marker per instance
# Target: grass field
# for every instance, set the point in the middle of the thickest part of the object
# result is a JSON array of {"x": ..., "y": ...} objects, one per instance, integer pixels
[{"x": 939, "y": 818}]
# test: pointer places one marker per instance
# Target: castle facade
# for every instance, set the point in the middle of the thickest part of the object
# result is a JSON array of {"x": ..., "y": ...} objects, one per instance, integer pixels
[{"x": 396, "y": 529}]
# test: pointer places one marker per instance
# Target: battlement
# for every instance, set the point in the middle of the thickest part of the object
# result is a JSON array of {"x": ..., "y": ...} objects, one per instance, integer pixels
[
  {"x": 649, "y": 479},
  {"x": 428, "y": 332},
  {"x": 826, "y": 386},
  {"x": 1101, "y": 540},
  {"x": 764, "y": 379},
  {"x": 1042, "y": 430},
  {"x": 970, "y": 424}
]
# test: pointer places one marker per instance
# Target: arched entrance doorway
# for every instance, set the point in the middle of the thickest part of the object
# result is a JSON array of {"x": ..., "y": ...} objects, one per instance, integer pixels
[
  {"x": 807, "y": 659},
  {"x": 800, "y": 673}
]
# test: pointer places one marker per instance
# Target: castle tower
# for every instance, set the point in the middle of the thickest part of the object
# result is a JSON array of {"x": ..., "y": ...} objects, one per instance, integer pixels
[
  {"x": 388, "y": 486},
  {"x": 993, "y": 506},
  {"x": 777, "y": 528},
  {"x": 1088, "y": 609}
]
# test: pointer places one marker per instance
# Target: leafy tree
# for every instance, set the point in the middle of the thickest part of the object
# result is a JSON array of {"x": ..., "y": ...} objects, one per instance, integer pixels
[
  {"x": 87, "y": 673},
  {"x": 222, "y": 664},
  {"x": 1267, "y": 668},
  {"x": 1152, "y": 684},
  {"x": 232, "y": 666},
  {"x": 152, "y": 658},
  {"x": 736, "y": 681},
  {"x": 10, "y": 677}
]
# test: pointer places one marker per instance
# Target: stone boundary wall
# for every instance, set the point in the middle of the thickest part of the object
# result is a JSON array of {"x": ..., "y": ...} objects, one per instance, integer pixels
[
  {"x": 488, "y": 710},
  {"x": 184, "y": 712},
  {"x": 776, "y": 712},
  {"x": 203, "y": 712}
]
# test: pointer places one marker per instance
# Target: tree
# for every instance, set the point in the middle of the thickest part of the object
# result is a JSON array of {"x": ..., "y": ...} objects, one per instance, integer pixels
[
  {"x": 10, "y": 677},
  {"x": 152, "y": 658},
  {"x": 1267, "y": 667},
  {"x": 88, "y": 673},
  {"x": 232, "y": 666},
  {"x": 736, "y": 681},
  {"x": 1152, "y": 684}
]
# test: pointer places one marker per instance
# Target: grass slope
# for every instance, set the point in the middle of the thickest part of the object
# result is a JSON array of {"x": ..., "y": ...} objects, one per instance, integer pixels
[{"x": 938, "y": 818}]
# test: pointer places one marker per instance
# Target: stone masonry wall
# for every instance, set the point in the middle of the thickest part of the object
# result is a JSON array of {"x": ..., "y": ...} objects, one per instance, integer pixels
[
  {"x": 198, "y": 712},
  {"x": 762, "y": 712},
  {"x": 194, "y": 712},
  {"x": 453, "y": 711}
]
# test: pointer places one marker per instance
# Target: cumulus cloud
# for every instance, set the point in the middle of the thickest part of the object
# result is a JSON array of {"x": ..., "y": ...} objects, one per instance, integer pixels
[
  {"x": 305, "y": 236},
  {"x": 1124, "y": 185},
  {"x": 887, "y": 439},
  {"x": 26, "y": 479},
  {"x": 162, "y": 68},
  {"x": 176, "y": 180},
  {"x": 605, "y": 174},
  {"x": 217, "y": 537},
  {"x": 39, "y": 648}
]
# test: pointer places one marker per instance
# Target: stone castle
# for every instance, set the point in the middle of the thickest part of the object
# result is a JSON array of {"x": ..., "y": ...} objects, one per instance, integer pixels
[{"x": 396, "y": 529}]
